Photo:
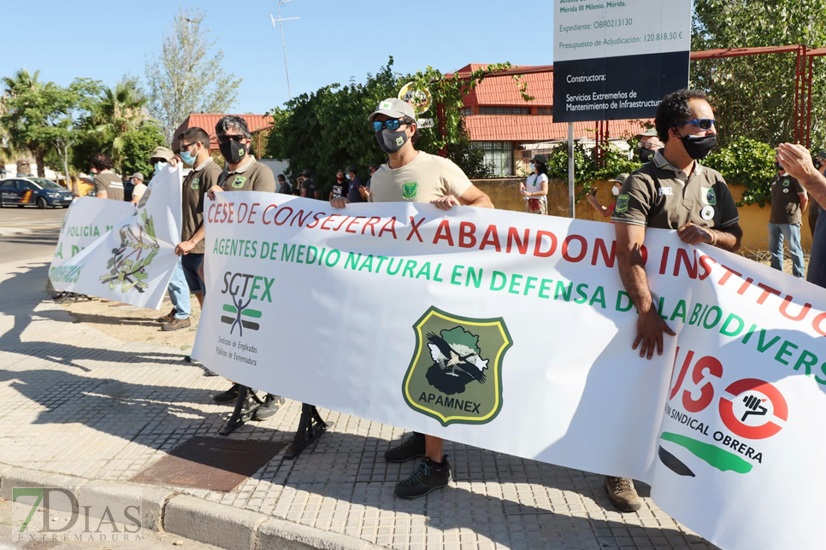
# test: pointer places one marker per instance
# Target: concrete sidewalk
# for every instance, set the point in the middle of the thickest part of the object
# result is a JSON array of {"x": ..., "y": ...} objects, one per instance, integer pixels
[{"x": 84, "y": 411}]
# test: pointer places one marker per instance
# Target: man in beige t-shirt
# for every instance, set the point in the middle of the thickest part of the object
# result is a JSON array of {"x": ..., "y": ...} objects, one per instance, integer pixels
[{"x": 416, "y": 176}]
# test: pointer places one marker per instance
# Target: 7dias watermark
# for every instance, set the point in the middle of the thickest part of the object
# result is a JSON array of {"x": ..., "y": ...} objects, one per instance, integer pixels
[{"x": 54, "y": 514}]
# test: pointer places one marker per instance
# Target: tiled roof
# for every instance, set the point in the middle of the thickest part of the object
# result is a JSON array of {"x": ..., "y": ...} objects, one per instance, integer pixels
[
  {"x": 207, "y": 121},
  {"x": 503, "y": 90},
  {"x": 528, "y": 128}
]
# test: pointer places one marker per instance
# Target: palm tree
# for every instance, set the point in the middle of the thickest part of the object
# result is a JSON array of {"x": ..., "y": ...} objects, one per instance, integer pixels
[
  {"x": 15, "y": 121},
  {"x": 121, "y": 110}
]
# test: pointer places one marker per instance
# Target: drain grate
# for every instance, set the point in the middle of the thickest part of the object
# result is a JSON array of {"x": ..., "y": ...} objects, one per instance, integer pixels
[{"x": 210, "y": 463}]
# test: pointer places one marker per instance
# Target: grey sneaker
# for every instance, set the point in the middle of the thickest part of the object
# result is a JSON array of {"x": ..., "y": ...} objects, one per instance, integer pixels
[
  {"x": 269, "y": 407},
  {"x": 622, "y": 493},
  {"x": 428, "y": 476},
  {"x": 410, "y": 448},
  {"x": 176, "y": 324}
]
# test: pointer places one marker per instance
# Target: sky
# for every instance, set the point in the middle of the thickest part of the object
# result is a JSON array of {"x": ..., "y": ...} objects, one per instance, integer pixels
[{"x": 332, "y": 41}]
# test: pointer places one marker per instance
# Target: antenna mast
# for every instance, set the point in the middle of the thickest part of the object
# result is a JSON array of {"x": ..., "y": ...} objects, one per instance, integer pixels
[{"x": 280, "y": 25}]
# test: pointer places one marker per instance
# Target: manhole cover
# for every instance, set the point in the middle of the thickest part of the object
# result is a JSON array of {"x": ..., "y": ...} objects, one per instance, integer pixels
[{"x": 210, "y": 463}]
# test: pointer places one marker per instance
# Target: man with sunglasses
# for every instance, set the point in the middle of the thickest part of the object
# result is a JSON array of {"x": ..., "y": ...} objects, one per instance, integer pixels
[
  {"x": 194, "y": 152},
  {"x": 242, "y": 173},
  {"x": 415, "y": 176},
  {"x": 673, "y": 191},
  {"x": 648, "y": 144}
]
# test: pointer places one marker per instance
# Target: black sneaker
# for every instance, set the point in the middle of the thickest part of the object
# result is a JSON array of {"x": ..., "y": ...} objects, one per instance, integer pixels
[
  {"x": 428, "y": 476},
  {"x": 410, "y": 448},
  {"x": 228, "y": 396},
  {"x": 269, "y": 407}
]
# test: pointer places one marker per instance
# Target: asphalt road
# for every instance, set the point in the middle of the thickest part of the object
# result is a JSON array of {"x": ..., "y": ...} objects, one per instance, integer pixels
[{"x": 27, "y": 233}]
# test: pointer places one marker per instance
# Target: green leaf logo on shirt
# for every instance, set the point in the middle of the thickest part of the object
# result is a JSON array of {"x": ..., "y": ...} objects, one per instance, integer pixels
[
  {"x": 239, "y": 182},
  {"x": 409, "y": 190},
  {"x": 711, "y": 197},
  {"x": 622, "y": 204}
]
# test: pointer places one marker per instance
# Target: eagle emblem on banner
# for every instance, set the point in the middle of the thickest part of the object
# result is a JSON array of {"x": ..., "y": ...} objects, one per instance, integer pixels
[{"x": 455, "y": 375}]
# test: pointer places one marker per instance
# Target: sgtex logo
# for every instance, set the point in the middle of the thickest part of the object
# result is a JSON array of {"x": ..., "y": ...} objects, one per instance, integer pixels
[
  {"x": 456, "y": 371},
  {"x": 244, "y": 289},
  {"x": 63, "y": 516}
]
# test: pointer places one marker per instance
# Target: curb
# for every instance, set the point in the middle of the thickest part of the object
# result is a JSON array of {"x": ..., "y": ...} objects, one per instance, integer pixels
[{"x": 166, "y": 510}]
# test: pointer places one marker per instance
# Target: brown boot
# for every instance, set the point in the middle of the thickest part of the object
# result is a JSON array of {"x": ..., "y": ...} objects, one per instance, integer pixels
[
  {"x": 622, "y": 494},
  {"x": 176, "y": 324},
  {"x": 168, "y": 317}
]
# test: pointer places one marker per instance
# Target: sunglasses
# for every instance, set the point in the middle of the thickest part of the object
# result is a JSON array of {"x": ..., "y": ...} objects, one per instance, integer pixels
[
  {"x": 391, "y": 124},
  {"x": 702, "y": 123},
  {"x": 223, "y": 138}
]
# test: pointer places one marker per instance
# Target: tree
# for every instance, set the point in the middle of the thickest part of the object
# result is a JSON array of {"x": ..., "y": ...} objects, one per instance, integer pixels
[
  {"x": 119, "y": 113},
  {"x": 184, "y": 80},
  {"x": 753, "y": 96},
  {"x": 39, "y": 116},
  {"x": 326, "y": 130},
  {"x": 137, "y": 147}
]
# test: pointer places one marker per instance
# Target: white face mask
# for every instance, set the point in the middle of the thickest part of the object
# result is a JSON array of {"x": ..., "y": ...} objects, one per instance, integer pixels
[{"x": 615, "y": 190}]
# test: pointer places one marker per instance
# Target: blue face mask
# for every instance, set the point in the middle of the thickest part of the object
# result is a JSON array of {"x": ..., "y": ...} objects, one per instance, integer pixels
[
  {"x": 347, "y": 175},
  {"x": 188, "y": 158},
  {"x": 160, "y": 166}
]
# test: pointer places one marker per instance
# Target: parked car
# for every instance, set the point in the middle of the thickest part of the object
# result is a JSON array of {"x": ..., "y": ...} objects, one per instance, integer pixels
[{"x": 32, "y": 191}]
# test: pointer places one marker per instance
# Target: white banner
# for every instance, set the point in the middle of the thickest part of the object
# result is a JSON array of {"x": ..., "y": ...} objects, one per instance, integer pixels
[
  {"x": 85, "y": 222},
  {"x": 513, "y": 332},
  {"x": 113, "y": 250}
]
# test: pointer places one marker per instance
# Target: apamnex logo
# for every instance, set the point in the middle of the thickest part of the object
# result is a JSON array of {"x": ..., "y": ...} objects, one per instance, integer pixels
[
  {"x": 243, "y": 289},
  {"x": 455, "y": 374}
]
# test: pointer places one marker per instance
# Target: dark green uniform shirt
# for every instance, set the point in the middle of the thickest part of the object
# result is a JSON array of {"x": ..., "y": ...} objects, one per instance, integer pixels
[
  {"x": 660, "y": 195},
  {"x": 249, "y": 176},
  {"x": 195, "y": 186}
]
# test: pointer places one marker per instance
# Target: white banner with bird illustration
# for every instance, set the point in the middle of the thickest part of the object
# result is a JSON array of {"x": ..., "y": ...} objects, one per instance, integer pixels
[
  {"x": 513, "y": 332},
  {"x": 114, "y": 250}
]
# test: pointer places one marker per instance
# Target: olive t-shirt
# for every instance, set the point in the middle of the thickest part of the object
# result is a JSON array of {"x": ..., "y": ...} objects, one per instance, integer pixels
[
  {"x": 785, "y": 200},
  {"x": 111, "y": 183},
  {"x": 660, "y": 195},
  {"x": 195, "y": 186},
  {"x": 251, "y": 175}
]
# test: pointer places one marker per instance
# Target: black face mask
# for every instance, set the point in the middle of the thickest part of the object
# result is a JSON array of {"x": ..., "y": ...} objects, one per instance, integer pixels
[
  {"x": 699, "y": 147},
  {"x": 391, "y": 141},
  {"x": 778, "y": 165},
  {"x": 646, "y": 154},
  {"x": 233, "y": 151}
]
